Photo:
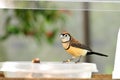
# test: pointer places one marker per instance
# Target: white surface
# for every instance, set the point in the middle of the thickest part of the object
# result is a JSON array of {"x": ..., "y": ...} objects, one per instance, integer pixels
[
  {"x": 48, "y": 69},
  {"x": 116, "y": 71}
]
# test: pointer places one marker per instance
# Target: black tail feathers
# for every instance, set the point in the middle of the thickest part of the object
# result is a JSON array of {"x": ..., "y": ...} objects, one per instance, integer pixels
[{"x": 90, "y": 53}]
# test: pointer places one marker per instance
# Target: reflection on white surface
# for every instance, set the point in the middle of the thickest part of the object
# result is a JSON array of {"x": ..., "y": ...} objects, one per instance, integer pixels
[{"x": 48, "y": 69}]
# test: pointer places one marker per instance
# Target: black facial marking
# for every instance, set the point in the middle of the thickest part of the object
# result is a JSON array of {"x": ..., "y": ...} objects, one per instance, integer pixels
[{"x": 65, "y": 35}]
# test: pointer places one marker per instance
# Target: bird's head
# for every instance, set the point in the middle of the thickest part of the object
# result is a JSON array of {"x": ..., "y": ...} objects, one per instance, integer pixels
[{"x": 65, "y": 36}]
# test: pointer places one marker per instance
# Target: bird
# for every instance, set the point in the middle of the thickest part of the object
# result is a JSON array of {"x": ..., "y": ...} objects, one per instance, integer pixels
[{"x": 75, "y": 48}]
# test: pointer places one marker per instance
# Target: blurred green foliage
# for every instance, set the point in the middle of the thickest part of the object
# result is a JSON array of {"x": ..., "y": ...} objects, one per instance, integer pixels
[{"x": 34, "y": 23}]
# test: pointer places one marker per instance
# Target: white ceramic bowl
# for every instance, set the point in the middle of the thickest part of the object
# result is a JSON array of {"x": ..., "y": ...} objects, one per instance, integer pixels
[{"x": 47, "y": 70}]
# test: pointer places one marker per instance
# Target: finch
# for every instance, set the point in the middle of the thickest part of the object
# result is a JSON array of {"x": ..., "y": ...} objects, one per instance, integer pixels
[{"x": 75, "y": 48}]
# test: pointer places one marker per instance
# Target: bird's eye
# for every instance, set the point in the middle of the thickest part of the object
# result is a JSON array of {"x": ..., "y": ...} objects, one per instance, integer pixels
[{"x": 66, "y": 35}]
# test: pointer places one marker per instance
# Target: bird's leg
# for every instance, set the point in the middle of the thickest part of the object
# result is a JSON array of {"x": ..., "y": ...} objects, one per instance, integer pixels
[
  {"x": 78, "y": 60},
  {"x": 69, "y": 60}
]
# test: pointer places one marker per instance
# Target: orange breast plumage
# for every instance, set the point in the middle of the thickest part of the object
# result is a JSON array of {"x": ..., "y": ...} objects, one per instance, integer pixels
[{"x": 76, "y": 51}]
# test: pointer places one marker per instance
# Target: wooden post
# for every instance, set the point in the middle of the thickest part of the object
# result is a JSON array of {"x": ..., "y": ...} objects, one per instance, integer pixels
[{"x": 86, "y": 16}]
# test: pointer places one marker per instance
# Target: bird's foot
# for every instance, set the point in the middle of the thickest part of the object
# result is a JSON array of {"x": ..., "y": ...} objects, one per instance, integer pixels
[
  {"x": 77, "y": 61},
  {"x": 68, "y": 60}
]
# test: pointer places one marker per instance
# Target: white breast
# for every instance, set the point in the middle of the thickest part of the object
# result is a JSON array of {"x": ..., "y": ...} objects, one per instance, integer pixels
[{"x": 65, "y": 45}]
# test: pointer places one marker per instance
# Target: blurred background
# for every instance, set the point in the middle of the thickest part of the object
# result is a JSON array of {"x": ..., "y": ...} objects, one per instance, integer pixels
[{"x": 30, "y": 29}]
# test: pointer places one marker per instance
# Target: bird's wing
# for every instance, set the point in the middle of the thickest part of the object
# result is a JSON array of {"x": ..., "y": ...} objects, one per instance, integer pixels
[{"x": 82, "y": 46}]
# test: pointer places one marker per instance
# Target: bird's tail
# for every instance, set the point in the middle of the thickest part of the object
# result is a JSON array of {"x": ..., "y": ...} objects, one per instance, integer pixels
[{"x": 96, "y": 53}]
